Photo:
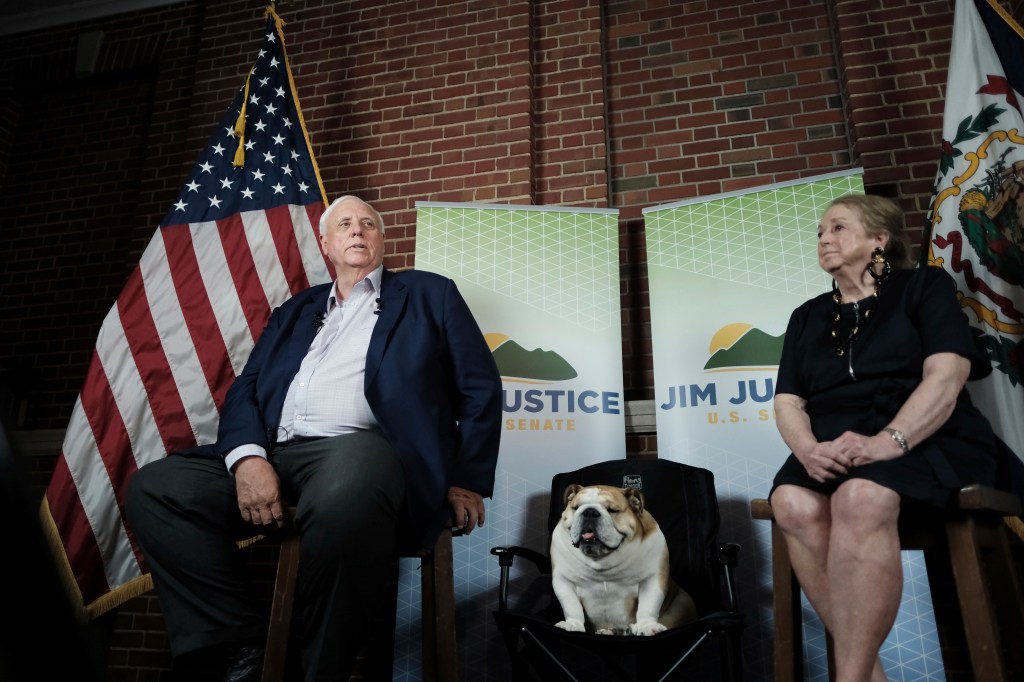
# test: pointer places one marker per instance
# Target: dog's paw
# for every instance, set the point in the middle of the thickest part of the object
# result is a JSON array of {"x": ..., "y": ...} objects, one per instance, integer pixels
[
  {"x": 645, "y": 628},
  {"x": 570, "y": 624}
]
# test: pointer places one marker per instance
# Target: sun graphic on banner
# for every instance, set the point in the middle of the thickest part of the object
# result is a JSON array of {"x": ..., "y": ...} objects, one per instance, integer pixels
[
  {"x": 725, "y": 337},
  {"x": 494, "y": 339}
]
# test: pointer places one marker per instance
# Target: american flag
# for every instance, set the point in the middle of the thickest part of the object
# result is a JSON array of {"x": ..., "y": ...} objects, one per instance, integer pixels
[
  {"x": 240, "y": 239},
  {"x": 977, "y": 213}
]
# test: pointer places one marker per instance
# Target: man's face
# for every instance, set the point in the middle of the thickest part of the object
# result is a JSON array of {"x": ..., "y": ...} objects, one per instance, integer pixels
[{"x": 353, "y": 239}]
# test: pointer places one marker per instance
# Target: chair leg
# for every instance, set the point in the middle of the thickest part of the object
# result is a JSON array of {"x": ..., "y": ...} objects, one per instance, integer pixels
[
  {"x": 966, "y": 539},
  {"x": 279, "y": 627},
  {"x": 1006, "y": 583},
  {"x": 945, "y": 605},
  {"x": 731, "y": 652},
  {"x": 440, "y": 653},
  {"x": 789, "y": 654}
]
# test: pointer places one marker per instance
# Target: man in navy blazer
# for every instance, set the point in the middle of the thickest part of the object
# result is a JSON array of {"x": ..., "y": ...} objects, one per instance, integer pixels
[{"x": 369, "y": 403}]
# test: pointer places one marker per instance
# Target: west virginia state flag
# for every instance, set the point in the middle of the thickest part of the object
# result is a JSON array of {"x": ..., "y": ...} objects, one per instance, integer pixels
[{"x": 977, "y": 212}]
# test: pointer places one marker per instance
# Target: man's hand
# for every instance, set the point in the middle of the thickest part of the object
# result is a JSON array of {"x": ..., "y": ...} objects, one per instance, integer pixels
[
  {"x": 467, "y": 508},
  {"x": 259, "y": 492}
]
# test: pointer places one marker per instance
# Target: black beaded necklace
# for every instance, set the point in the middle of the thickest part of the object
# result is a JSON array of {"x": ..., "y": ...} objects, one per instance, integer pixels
[{"x": 839, "y": 346}]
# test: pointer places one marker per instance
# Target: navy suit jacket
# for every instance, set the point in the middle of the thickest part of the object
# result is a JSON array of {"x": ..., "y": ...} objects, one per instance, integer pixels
[{"x": 431, "y": 382}]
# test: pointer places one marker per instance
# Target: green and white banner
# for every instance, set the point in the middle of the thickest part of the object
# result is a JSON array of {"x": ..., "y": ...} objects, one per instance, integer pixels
[
  {"x": 725, "y": 273},
  {"x": 543, "y": 284}
]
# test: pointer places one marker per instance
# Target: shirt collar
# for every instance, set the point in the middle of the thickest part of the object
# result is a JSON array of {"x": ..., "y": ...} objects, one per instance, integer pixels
[{"x": 373, "y": 278}]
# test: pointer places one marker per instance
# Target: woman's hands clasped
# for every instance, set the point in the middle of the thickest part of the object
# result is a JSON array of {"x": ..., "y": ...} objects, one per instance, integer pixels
[{"x": 830, "y": 459}]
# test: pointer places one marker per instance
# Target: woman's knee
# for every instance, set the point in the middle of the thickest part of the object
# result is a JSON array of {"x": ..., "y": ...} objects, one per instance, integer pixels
[
  {"x": 860, "y": 503},
  {"x": 796, "y": 508}
]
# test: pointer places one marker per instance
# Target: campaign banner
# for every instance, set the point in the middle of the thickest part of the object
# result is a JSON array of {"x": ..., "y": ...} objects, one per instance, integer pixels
[
  {"x": 543, "y": 284},
  {"x": 725, "y": 274}
]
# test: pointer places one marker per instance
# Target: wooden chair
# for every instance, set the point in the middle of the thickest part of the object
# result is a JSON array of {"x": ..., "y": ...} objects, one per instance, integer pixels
[
  {"x": 440, "y": 663},
  {"x": 970, "y": 548}
]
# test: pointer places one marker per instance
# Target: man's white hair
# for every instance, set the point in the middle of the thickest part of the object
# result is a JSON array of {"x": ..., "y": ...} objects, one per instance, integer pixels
[{"x": 343, "y": 199}]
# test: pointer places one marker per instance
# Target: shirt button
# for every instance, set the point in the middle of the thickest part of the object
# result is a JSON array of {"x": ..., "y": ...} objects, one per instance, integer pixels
[{"x": 298, "y": 417}]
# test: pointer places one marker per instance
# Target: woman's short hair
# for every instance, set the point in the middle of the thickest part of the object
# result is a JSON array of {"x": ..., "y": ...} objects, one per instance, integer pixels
[
  {"x": 343, "y": 199},
  {"x": 878, "y": 215}
]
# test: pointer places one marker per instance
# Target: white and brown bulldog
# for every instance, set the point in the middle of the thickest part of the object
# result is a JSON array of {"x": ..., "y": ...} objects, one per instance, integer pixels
[{"x": 609, "y": 566}]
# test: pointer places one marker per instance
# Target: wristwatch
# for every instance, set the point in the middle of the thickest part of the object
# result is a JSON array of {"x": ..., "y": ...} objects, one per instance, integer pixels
[{"x": 898, "y": 436}]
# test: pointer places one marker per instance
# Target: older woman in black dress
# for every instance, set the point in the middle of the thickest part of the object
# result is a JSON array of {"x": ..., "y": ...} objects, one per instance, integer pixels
[{"x": 870, "y": 398}]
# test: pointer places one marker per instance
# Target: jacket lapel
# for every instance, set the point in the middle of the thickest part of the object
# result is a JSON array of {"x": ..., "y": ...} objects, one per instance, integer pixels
[
  {"x": 393, "y": 297},
  {"x": 306, "y": 326}
]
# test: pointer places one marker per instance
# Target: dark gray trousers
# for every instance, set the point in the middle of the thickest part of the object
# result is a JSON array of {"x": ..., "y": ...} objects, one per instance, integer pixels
[{"x": 348, "y": 491}]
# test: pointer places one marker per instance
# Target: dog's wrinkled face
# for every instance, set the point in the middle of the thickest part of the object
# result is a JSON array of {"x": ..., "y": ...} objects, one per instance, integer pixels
[{"x": 600, "y": 518}]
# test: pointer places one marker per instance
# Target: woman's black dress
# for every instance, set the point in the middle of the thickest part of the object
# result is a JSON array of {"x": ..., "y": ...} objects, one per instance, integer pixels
[{"x": 916, "y": 315}]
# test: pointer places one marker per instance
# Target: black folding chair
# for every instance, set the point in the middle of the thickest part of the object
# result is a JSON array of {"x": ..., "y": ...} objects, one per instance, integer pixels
[{"x": 682, "y": 499}]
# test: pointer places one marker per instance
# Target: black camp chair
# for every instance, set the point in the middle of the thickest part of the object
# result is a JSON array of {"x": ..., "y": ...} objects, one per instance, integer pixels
[{"x": 682, "y": 499}]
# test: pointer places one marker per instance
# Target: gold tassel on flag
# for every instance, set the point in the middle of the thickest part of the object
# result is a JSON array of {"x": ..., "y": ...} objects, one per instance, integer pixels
[{"x": 239, "y": 160}]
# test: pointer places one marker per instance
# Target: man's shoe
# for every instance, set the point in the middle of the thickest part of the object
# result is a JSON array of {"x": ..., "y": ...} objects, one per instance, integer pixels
[{"x": 245, "y": 664}]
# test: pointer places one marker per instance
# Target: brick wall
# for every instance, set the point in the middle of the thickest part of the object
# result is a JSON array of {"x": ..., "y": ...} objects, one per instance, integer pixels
[
  {"x": 89, "y": 164},
  {"x": 435, "y": 105},
  {"x": 893, "y": 59},
  {"x": 621, "y": 103},
  {"x": 570, "y": 105}
]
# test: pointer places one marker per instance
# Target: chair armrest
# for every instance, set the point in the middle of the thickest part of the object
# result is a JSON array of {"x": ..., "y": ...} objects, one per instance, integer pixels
[
  {"x": 761, "y": 509},
  {"x": 506, "y": 555},
  {"x": 977, "y": 497},
  {"x": 727, "y": 560},
  {"x": 728, "y": 553}
]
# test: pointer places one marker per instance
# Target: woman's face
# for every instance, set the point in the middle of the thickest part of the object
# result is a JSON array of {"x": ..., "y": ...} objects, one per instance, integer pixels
[{"x": 843, "y": 242}]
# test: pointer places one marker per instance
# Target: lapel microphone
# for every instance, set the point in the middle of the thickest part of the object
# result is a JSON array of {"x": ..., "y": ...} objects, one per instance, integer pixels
[{"x": 379, "y": 308}]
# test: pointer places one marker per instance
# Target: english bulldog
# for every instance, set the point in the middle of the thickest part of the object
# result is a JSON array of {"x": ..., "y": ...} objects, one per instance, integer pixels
[{"x": 609, "y": 566}]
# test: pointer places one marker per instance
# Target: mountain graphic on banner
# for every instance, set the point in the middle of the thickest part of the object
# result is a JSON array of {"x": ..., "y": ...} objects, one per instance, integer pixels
[
  {"x": 516, "y": 362},
  {"x": 754, "y": 348}
]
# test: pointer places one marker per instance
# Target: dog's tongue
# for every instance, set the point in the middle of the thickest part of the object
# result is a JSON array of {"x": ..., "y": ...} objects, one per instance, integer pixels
[{"x": 588, "y": 535}]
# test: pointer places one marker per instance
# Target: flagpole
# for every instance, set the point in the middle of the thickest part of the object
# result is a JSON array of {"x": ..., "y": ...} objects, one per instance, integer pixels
[{"x": 279, "y": 22}]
